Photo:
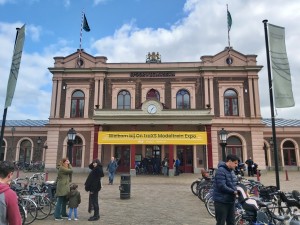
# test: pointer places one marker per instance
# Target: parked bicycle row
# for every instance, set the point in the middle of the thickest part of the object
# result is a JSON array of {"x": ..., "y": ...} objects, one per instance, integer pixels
[
  {"x": 255, "y": 203},
  {"x": 36, "y": 197},
  {"x": 38, "y": 166}
]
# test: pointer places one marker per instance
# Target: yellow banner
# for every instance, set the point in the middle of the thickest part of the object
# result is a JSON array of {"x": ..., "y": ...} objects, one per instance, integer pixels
[{"x": 153, "y": 138}]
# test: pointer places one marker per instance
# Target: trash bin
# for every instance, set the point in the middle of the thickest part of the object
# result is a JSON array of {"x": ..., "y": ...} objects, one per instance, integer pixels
[{"x": 125, "y": 186}]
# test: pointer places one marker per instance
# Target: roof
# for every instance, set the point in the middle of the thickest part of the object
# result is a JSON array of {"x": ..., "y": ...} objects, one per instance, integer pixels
[
  {"x": 279, "y": 122},
  {"x": 25, "y": 123}
]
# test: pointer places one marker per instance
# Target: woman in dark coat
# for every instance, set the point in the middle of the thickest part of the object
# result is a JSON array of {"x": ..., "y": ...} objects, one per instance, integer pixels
[{"x": 93, "y": 185}]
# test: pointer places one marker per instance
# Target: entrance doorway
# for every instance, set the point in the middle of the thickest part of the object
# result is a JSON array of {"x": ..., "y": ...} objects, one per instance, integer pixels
[
  {"x": 185, "y": 155},
  {"x": 122, "y": 156},
  {"x": 153, "y": 153}
]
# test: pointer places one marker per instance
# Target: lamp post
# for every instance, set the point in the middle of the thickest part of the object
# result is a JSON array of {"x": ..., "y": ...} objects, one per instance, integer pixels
[
  {"x": 223, "y": 142},
  {"x": 39, "y": 141},
  {"x": 71, "y": 138}
]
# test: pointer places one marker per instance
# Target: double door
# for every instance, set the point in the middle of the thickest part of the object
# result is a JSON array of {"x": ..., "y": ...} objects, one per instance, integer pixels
[
  {"x": 185, "y": 155},
  {"x": 122, "y": 156}
]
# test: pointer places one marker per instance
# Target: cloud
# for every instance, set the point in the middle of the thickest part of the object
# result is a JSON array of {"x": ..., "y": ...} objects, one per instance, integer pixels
[
  {"x": 202, "y": 31},
  {"x": 98, "y": 2}
]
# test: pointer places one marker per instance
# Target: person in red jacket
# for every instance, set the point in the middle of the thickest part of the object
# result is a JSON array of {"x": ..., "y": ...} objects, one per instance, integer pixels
[{"x": 9, "y": 209}]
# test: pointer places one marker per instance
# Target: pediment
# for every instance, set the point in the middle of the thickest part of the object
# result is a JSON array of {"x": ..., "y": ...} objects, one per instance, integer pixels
[
  {"x": 79, "y": 59},
  {"x": 229, "y": 58}
]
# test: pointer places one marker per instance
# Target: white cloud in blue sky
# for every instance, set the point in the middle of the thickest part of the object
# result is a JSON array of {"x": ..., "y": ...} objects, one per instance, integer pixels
[{"x": 125, "y": 31}]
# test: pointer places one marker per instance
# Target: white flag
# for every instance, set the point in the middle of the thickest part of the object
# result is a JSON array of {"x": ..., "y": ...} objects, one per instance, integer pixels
[
  {"x": 15, "y": 65},
  {"x": 282, "y": 83}
]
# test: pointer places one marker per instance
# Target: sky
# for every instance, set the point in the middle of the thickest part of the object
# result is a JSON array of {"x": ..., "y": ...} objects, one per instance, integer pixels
[{"x": 126, "y": 30}]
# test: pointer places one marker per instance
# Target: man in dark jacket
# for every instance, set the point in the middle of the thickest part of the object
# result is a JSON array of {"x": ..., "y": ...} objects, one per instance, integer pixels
[
  {"x": 93, "y": 185},
  {"x": 224, "y": 191},
  {"x": 250, "y": 166}
]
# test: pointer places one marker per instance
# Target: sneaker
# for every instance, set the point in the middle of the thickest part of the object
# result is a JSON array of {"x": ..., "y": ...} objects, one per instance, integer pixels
[
  {"x": 69, "y": 218},
  {"x": 65, "y": 217},
  {"x": 58, "y": 219},
  {"x": 76, "y": 219}
]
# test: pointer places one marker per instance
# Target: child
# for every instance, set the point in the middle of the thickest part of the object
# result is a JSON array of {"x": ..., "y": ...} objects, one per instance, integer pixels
[{"x": 74, "y": 201}]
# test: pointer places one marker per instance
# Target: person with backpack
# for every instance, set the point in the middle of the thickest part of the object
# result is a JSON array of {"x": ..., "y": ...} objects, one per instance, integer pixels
[{"x": 9, "y": 208}]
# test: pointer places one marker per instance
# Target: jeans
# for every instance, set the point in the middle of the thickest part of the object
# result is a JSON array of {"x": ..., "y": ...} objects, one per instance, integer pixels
[
  {"x": 61, "y": 207},
  {"x": 165, "y": 170},
  {"x": 177, "y": 170},
  {"x": 75, "y": 213},
  {"x": 224, "y": 213},
  {"x": 94, "y": 201},
  {"x": 111, "y": 176}
]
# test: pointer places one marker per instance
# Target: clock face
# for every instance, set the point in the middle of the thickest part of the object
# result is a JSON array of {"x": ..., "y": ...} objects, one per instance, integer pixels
[{"x": 152, "y": 109}]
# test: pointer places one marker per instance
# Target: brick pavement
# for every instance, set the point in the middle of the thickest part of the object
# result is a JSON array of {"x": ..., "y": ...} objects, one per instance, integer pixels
[{"x": 154, "y": 200}]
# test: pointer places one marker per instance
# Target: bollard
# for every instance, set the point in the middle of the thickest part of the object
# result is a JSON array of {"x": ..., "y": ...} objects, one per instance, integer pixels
[
  {"x": 286, "y": 175},
  {"x": 46, "y": 176},
  {"x": 18, "y": 171}
]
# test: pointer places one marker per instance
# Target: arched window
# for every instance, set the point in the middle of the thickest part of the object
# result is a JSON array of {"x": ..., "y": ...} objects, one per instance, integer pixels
[
  {"x": 77, "y": 152},
  {"x": 153, "y": 95},
  {"x": 183, "y": 99},
  {"x": 124, "y": 100},
  {"x": 77, "y": 104},
  {"x": 25, "y": 152},
  {"x": 231, "y": 103},
  {"x": 289, "y": 153},
  {"x": 234, "y": 146}
]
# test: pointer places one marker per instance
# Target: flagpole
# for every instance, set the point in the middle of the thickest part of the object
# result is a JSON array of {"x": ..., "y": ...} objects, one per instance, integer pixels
[
  {"x": 272, "y": 106},
  {"x": 228, "y": 29},
  {"x": 81, "y": 33},
  {"x": 4, "y": 115}
]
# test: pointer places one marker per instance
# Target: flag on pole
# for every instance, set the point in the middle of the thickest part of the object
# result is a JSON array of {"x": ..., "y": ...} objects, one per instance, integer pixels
[
  {"x": 15, "y": 65},
  {"x": 85, "y": 25},
  {"x": 229, "y": 20},
  {"x": 282, "y": 83}
]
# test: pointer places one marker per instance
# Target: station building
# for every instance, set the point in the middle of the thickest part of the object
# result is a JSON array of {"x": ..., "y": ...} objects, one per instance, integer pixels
[{"x": 154, "y": 109}]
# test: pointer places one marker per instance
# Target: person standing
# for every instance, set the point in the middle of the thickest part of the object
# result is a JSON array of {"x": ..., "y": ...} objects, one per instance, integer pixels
[
  {"x": 74, "y": 201},
  {"x": 111, "y": 168},
  {"x": 250, "y": 165},
  {"x": 64, "y": 177},
  {"x": 224, "y": 191},
  {"x": 165, "y": 166},
  {"x": 93, "y": 185},
  {"x": 177, "y": 164},
  {"x": 9, "y": 208}
]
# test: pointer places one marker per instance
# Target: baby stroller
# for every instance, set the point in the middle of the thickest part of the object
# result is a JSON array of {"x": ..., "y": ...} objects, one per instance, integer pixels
[
  {"x": 255, "y": 170},
  {"x": 249, "y": 205}
]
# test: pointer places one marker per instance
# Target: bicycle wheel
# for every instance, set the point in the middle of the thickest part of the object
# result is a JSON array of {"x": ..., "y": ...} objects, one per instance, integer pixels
[
  {"x": 53, "y": 206},
  {"x": 209, "y": 204},
  {"x": 23, "y": 213},
  {"x": 30, "y": 209},
  {"x": 43, "y": 207},
  {"x": 194, "y": 187}
]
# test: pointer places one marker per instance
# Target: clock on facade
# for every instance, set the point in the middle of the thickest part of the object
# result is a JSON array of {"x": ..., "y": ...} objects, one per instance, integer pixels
[{"x": 152, "y": 109}]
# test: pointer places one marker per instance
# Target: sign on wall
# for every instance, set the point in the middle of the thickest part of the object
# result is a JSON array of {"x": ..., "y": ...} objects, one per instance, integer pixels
[{"x": 149, "y": 137}]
